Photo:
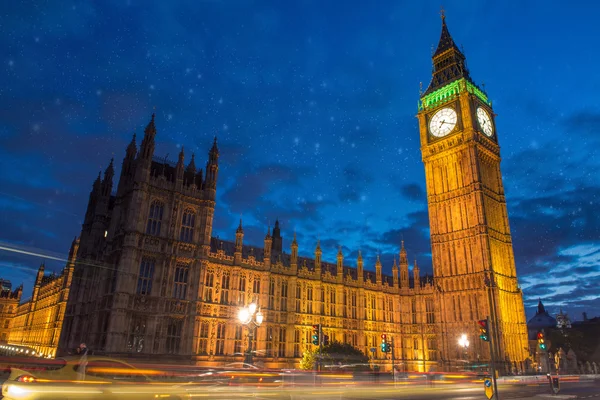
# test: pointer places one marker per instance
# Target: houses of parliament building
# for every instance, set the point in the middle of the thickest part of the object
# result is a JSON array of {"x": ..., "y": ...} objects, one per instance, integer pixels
[{"x": 147, "y": 279}]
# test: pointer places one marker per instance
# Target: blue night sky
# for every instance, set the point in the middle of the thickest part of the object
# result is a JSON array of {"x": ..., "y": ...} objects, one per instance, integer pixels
[{"x": 314, "y": 105}]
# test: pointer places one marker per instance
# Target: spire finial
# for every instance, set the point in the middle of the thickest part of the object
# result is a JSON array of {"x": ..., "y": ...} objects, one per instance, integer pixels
[{"x": 442, "y": 13}]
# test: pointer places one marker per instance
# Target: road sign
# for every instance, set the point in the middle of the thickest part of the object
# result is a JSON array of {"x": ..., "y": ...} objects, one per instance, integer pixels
[
  {"x": 373, "y": 349},
  {"x": 489, "y": 390}
]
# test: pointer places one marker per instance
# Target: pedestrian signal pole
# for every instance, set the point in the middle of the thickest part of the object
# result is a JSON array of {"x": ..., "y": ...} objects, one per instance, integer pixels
[{"x": 484, "y": 334}]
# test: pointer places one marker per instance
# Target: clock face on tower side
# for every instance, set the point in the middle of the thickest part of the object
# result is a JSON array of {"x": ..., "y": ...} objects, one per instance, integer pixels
[
  {"x": 485, "y": 122},
  {"x": 443, "y": 122}
]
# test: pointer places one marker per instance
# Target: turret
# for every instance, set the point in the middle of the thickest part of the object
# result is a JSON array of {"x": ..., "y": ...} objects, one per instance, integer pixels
[
  {"x": 404, "y": 283},
  {"x": 144, "y": 158},
  {"x": 318, "y": 254},
  {"x": 179, "y": 169},
  {"x": 359, "y": 268},
  {"x": 40, "y": 275},
  {"x": 190, "y": 174},
  {"x": 73, "y": 250},
  {"x": 239, "y": 241},
  {"x": 107, "y": 183},
  {"x": 70, "y": 267},
  {"x": 340, "y": 263},
  {"x": 199, "y": 181},
  {"x": 129, "y": 159},
  {"x": 128, "y": 166},
  {"x": 395, "y": 273},
  {"x": 93, "y": 199},
  {"x": 36, "y": 288},
  {"x": 147, "y": 147},
  {"x": 277, "y": 239},
  {"x": 212, "y": 170},
  {"x": 294, "y": 255},
  {"x": 267, "y": 249},
  {"x": 378, "y": 270},
  {"x": 416, "y": 275},
  {"x": 191, "y": 168}
]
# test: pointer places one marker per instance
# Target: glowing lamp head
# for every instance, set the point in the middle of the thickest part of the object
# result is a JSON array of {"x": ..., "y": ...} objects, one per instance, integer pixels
[
  {"x": 259, "y": 317},
  {"x": 244, "y": 316},
  {"x": 252, "y": 308}
]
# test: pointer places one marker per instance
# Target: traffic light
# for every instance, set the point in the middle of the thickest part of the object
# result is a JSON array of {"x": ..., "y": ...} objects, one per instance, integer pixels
[
  {"x": 325, "y": 340},
  {"x": 316, "y": 334},
  {"x": 541, "y": 340},
  {"x": 484, "y": 330},
  {"x": 385, "y": 347}
]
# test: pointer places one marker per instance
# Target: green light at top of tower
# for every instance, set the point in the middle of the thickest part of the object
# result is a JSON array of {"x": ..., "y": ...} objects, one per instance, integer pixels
[{"x": 447, "y": 92}]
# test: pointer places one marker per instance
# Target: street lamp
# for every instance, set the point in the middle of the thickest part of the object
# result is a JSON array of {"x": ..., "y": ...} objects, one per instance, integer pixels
[
  {"x": 463, "y": 342},
  {"x": 252, "y": 317}
]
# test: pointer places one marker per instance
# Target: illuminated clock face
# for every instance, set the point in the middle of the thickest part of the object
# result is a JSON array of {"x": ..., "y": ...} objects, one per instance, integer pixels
[
  {"x": 485, "y": 122},
  {"x": 443, "y": 122}
]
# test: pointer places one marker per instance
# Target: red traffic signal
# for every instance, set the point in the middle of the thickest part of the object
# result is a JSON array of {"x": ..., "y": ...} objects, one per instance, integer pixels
[{"x": 383, "y": 336}]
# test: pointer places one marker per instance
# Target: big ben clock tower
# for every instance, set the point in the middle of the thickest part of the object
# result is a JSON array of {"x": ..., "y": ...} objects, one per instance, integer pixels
[{"x": 471, "y": 245}]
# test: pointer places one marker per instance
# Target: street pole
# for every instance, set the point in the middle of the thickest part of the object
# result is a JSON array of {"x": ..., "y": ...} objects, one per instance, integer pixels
[{"x": 493, "y": 365}]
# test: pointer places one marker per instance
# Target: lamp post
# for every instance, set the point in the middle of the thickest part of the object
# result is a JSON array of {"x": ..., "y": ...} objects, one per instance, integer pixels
[
  {"x": 463, "y": 342},
  {"x": 252, "y": 317}
]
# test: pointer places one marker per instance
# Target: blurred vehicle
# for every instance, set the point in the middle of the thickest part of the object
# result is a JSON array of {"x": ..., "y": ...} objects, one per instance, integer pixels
[{"x": 104, "y": 378}]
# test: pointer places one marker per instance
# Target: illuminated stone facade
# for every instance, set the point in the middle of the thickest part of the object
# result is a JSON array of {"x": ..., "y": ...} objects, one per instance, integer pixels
[
  {"x": 38, "y": 321},
  {"x": 151, "y": 281},
  {"x": 9, "y": 301},
  {"x": 472, "y": 254}
]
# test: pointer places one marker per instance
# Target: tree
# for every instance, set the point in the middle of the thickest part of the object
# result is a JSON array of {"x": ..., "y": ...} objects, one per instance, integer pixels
[
  {"x": 309, "y": 360},
  {"x": 335, "y": 354}
]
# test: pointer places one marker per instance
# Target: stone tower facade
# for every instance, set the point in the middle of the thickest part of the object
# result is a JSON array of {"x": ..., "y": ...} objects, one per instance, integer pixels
[
  {"x": 148, "y": 237},
  {"x": 471, "y": 244}
]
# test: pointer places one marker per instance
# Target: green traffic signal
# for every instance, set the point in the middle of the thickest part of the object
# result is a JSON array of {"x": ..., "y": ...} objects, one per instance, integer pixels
[{"x": 484, "y": 330}]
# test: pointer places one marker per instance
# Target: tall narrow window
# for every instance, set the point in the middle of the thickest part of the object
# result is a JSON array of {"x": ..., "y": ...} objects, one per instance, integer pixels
[
  {"x": 272, "y": 294},
  {"x": 237, "y": 343},
  {"x": 429, "y": 311},
  {"x": 155, "y": 218},
  {"x": 174, "y": 335},
  {"x": 203, "y": 345},
  {"x": 220, "y": 349},
  {"x": 187, "y": 226},
  {"x": 209, "y": 284},
  {"x": 282, "y": 342},
  {"x": 297, "y": 337},
  {"x": 298, "y": 297},
  {"x": 309, "y": 298},
  {"x": 180, "y": 281},
  {"x": 270, "y": 340},
  {"x": 225, "y": 289},
  {"x": 145, "y": 277},
  {"x": 241, "y": 289},
  {"x": 256, "y": 285},
  {"x": 283, "y": 298},
  {"x": 322, "y": 301},
  {"x": 332, "y": 303},
  {"x": 354, "y": 313},
  {"x": 414, "y": 311}
]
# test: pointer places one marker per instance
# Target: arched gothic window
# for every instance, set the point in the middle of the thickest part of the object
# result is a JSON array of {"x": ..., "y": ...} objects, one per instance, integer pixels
[
  {"x": 187, "y": 226},
  {"x": 155, "y": 217}
]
